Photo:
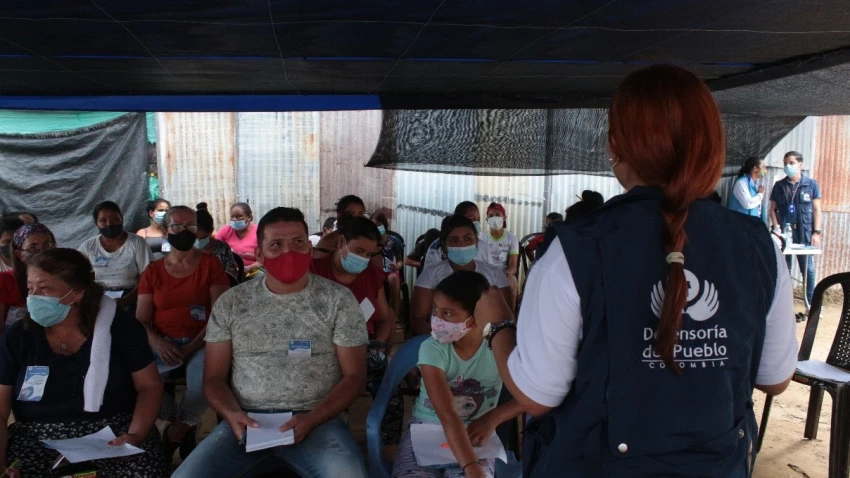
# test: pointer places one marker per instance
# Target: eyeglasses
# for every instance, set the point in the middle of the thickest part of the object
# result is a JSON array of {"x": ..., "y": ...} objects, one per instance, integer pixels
[
  {"x": 36, "y": 249},
  {"x": 178, "y": 228}
]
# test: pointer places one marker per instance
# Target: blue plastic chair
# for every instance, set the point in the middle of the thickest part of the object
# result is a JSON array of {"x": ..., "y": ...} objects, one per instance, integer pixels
[{"x": 405, "y": 359}]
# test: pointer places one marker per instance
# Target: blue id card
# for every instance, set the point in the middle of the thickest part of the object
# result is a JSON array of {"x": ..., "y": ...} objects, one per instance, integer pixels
[
  {"x": 300, "y": 348},
  {"x": 198, "y": 312},
  {"x": 34, "y": 381},
  {"x": 100, "y": 261}
]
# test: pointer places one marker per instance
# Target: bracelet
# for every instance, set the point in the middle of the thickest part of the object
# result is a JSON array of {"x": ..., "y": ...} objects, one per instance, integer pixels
[
  {"x": 469, "y": 464},
  {"x": 491, "y": 331}
]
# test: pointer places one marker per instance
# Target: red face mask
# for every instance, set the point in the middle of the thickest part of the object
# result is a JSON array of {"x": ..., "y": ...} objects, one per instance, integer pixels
[{"x": 288, "y": 267}]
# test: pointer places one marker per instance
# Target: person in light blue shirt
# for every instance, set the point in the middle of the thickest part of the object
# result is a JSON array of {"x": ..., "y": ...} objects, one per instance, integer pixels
[{"x": 747, "y": 194}]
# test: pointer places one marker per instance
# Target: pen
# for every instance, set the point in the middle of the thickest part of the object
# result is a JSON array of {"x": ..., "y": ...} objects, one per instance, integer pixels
[
  {"x": 444, "y": 445},
  {"x": 14, "y": 464},
  {"x": 61, "y": 457}
]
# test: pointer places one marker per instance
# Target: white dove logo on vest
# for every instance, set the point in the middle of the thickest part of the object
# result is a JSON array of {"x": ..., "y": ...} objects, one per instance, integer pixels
[
  {"x": 704, "y": 308},
  {"x": 700, "y": 347}
]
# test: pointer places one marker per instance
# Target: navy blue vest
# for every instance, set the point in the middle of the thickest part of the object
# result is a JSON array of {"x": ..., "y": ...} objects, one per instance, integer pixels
[
  {"x": 626, "y": 415},
  {"x": 802, "y": 201}
]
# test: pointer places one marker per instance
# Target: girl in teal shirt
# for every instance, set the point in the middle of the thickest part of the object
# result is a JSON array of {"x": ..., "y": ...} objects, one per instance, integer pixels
[{"x": 460, "y": 383}]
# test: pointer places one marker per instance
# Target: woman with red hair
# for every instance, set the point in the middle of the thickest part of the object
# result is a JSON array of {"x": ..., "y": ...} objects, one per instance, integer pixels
[{"x": 644, "y": 331}]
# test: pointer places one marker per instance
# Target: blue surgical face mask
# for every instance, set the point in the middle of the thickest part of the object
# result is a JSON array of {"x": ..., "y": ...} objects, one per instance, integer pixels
[
  {"x": 352, "y": 263},
  {"x": 202, "y": 243},
  {"x": 790, "y": 171},
  {"x": 477, "y": 225},
  {"x": 159, "y": 216},
  {"x": 462, "y": 255},
  {"x": 238, "y": 225},
  {"x": 47, "y": 311},
  {"x": 382, "y": 230}
]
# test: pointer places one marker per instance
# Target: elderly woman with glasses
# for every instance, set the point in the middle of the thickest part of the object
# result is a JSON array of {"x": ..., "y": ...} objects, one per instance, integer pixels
[
  {"x": 176, "y": 295},
  {"x": 28, "y": 240}
]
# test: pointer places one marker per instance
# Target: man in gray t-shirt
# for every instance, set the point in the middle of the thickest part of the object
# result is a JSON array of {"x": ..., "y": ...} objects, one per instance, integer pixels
[{"x": 288, "y": 341}]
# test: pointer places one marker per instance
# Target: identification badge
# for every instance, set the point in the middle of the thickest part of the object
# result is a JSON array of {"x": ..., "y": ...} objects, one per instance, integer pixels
[
  {"x": 503, "y": 256},
  {"x": 15, "y": 314},
  {"x": 792, "y": 209},
  {"x": 367, "y": 308},
  {"x": 166, "y": 247},
  {"x": 33, "y": 387},
  {"x": 300, "y": 349},
  {"x": 100, "y": 261},
  {"x": 806, "y": 197},
  {"x": 198, "y": 312}
]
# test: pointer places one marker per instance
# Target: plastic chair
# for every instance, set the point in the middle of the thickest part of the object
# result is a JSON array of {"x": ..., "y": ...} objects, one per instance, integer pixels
[
  {"x": 833, "y": 376},
  {"x": 405, "y": 359}
]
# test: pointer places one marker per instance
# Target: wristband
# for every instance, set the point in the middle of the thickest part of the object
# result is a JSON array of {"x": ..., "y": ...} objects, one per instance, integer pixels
[
  {"x": 468, "y": 465},
  {"x": 490, "y": 330}
]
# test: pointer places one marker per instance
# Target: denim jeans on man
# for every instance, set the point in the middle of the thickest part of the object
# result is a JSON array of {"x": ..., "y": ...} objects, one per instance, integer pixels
[
  {"x": 807, "y": 265},
  {"x": 193, "y": 405},
  {"x": 329, "y": 451}
]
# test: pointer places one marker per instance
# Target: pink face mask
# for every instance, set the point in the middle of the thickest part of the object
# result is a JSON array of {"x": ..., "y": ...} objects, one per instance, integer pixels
[{"x": 447, "y": 332}]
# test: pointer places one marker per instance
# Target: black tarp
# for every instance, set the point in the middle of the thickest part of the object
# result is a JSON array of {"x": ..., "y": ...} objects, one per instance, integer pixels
[
  {"x": 533, "y": 142},
  {"x": 62, "y": 176}
]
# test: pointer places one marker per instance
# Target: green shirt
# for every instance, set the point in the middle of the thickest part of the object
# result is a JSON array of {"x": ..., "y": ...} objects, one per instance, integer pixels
[{"x": 475, "y": 383}]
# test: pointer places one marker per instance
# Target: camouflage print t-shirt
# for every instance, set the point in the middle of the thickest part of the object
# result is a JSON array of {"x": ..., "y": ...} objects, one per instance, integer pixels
[{"x": 263, "y": 327}]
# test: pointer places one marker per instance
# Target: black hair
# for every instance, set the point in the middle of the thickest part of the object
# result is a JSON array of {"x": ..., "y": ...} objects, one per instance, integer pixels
[
  {"x": 10, "y": 224},
  {"x": 594, "y": 198},
  {"x": 346, "y": 201},
  {"x": 106, "y": 206},
  {"x": 382, "y": 219},
  {"x": 280, "y": 214},
  {"x": 356, "y": 227},
  {"x": 751, "y": 163},
  {"x": 794, "y": 154},
  {"x": 152, "y": 205},
  {"x": 464, "y": 287},
  {"x": 581, "y": 208},
  {"x": 460, "y": 209},
  {"x": 450, "y": 224},
  {"x": 74, "y": 269},
  {"x": 244, "y": 207},
  {"x": 555, "y": 216},
  {"x": 203, "y": 218},
  {"x": 329, "y": 223}
]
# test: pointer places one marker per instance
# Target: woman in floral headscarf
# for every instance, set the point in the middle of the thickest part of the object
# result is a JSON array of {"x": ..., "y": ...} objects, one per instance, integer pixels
[{"x": 28, "y": 241}]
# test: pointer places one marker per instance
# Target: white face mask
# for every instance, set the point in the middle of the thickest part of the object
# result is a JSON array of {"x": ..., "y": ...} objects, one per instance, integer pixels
[{"x": 496, "y": 223}]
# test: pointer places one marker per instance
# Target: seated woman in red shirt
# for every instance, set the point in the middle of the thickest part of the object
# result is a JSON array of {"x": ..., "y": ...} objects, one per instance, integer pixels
[
  {"x": 28, "y": 241},
  {"x": 176, "y": 295},
  {"x": 349, "y": 265},
  {"x": 241, "y": 235}
]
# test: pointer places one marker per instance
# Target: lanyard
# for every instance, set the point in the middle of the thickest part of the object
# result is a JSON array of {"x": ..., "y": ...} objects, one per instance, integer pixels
[{"x": 794, "y": 191}]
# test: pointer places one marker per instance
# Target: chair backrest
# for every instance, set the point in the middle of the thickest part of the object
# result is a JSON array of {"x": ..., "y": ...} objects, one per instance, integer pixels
[
  {"x": 839, "y": 354},
  {"x": 401, "y": 362},
  {"x": 240, "y": 268}
]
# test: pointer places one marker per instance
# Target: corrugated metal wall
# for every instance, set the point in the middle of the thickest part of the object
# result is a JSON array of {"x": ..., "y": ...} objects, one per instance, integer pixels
[
  {"x": 347, "y": 142},
  {"x": 832, "y": 153},
  {"x": 310, "y": 160},
  {"x": 198, "y": 160},
  {"x": 278, "y": 162}
]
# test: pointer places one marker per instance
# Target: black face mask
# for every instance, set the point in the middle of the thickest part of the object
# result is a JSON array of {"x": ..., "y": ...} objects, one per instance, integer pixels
[
  {"x": 183, "y": 241},
  {"x": 111, "y": 231},
  {"x": 5, "y": 252}
]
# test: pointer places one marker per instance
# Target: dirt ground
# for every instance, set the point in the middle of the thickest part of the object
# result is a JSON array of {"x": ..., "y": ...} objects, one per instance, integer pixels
[{"x": 785, "y": 453}]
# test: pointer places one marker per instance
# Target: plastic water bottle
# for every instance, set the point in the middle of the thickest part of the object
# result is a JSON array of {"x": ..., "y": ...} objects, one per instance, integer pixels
[{"x": 787, "y": 234}]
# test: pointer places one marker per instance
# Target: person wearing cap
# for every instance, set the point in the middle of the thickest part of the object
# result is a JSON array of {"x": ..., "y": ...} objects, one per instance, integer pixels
[
  {"x": 644, "y": 327},
  {"x": 501, "y": 246}
]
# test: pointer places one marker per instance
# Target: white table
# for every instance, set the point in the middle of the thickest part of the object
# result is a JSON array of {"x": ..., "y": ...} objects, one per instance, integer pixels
[{"x": 801, "y": 250}]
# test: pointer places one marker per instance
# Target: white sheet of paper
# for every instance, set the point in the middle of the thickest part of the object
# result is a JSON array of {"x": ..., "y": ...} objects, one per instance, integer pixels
[
  {"x": 91, "y": 447},
  {"x": 164, "y": 367},
  {"x": 114, "y": 294},
  {"x": 367, "y": 308},
  {"x": 268, "y": 435},
  {"x": 428, "y": 440}
]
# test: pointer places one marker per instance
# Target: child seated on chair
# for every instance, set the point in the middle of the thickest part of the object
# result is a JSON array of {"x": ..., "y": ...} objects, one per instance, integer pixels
[{"x": 460, "y": 383}]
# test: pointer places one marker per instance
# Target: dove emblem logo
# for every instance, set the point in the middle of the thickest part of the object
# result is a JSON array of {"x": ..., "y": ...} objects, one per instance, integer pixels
[{"x": 703, "y": 299}]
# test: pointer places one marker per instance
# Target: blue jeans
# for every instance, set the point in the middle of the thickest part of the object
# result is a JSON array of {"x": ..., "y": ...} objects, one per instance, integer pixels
[
  {"x": 329, "y": 451},
  {"x": 807, "y": 266},
  {"x": 194, "y": 404}
]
